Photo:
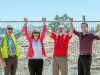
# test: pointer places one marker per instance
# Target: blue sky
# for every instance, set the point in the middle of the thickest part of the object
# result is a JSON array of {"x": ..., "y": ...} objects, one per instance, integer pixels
[{"x": 35, "y": 9}]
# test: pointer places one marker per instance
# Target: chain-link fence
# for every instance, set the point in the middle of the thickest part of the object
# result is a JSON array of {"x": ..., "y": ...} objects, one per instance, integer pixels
[{"x": 73, "y": 47}]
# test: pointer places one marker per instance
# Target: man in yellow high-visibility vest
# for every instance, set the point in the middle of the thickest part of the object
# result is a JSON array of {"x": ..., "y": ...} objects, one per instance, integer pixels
[{"x": 9, "y": 51}]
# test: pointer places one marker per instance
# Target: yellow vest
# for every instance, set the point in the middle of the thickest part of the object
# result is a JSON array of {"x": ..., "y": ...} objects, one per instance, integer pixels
[{"x": 4, "y": 49}]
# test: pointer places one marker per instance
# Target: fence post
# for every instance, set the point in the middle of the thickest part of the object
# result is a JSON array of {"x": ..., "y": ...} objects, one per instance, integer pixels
[
  {"x": 98, "y": 27},
  {"x": 99, "y": 30},
  {"x": 83, "y": 18}
]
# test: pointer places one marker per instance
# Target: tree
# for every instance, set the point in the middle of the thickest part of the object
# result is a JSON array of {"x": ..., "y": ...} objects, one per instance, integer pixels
[{"x": 59, "y": 20}]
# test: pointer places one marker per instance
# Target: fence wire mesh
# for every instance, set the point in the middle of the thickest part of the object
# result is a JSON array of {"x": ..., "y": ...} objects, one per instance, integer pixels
[{"x": 73, "y": 47}]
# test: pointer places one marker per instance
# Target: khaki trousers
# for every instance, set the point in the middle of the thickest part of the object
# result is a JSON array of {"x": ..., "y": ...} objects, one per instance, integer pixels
[{"x": 60, "y": 65}]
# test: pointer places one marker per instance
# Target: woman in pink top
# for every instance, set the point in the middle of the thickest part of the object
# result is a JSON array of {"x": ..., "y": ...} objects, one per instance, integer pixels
[{"x": 36, "y": 49}]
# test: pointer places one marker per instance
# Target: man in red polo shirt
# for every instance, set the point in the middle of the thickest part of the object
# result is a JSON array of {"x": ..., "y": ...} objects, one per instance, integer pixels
[{"x": 60, "y": 55}]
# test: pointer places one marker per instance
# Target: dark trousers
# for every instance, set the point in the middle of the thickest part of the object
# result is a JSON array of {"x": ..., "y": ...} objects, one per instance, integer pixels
[
  {"x": 35, "y": 66},
  {"x": 84, "y": 64},
  {"x": 11, "y": 66}
]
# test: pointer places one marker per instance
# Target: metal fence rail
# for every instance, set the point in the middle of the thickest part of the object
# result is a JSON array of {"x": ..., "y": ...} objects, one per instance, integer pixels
[{"x": 73, "y": 47}]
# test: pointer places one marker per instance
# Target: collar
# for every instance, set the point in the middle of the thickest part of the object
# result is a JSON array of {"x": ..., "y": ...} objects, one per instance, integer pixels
[
  {"x": 61, "y": 35},
  {"x": 85, "y": 33},
  {"x": 8, "y": 36}
]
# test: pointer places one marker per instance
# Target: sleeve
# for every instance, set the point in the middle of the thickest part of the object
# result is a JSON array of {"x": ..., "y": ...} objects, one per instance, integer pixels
[
  {"x": 26, "y": 33},
  {"x": 43, "y": 32},
  {"x": 76, "y": 33},
  {"x": 95, "y": 37},
  {"x": 68, "y": 37},
  {"x": 53, "y": 36}
]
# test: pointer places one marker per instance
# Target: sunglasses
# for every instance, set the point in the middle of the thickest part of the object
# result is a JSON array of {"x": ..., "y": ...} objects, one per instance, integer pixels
[
  {"x": 36, "y": 32},
  {"x": 10, "y": 29}
]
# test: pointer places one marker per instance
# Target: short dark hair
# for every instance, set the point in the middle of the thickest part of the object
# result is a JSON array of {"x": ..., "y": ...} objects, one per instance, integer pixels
[{"x": 85, "y": 24}]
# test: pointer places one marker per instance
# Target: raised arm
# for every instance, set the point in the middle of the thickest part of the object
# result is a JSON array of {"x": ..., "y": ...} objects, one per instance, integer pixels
[
  {"x": 97, "y": 37},
  {"x": 71, "y": 26},
  {"x": 76, "y": 32},
  {"x": 25, "y": 29},
  {"x": 44, "y": 29},
  {"x": 53, "y": 35},
  {"x": 49, "y": 32}
]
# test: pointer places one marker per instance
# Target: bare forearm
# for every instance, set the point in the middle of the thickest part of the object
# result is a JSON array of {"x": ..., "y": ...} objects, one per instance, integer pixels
[
  {"x": 71, "y": 29},
  {"x": 44, "y": 23},
  {"x": 1, "y": 57},
  {"x": 2, "y": 60},
  {"x": 25, "y": 21},
  {"x": 71, "y": 26},
  {"x": 49, "y": 32}
]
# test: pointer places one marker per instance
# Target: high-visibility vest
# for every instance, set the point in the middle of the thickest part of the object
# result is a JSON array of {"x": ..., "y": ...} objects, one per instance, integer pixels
[{"x": 4, "y": 49}]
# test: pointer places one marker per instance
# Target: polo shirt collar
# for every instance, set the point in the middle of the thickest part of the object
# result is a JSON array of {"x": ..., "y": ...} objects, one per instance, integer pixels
[{"x": 61, "y": 35}]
